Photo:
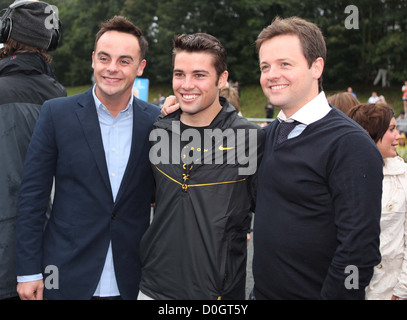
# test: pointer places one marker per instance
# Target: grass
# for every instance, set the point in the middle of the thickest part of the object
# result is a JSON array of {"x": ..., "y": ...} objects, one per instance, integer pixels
[
  {"x": 253, "y": 100},
  {"x": 75, "y": 90}
]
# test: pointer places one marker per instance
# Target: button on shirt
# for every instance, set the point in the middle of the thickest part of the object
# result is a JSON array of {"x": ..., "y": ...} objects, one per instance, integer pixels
[
  {"x": 116, "y": 136},
  {"x": 313, "y": 111}
]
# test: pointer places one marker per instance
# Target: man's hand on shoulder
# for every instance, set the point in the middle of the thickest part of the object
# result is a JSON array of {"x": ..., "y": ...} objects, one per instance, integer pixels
[{"x": 170, "y": 105}]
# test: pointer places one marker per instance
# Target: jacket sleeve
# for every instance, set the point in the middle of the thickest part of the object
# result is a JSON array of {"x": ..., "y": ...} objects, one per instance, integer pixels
[
  {"x": 354, "y": 177},
  {"x": 400, "y": 290},
  {"x": 34, "y": 197}
]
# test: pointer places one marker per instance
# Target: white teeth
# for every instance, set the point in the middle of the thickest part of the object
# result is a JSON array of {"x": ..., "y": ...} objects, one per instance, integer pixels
[
  {"x": 189, "y": 97},
  {"x": 278, "y": 87}
]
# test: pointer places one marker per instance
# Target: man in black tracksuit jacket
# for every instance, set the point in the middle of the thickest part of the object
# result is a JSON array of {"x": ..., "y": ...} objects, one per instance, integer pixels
[{"x": 196, "y": 246}]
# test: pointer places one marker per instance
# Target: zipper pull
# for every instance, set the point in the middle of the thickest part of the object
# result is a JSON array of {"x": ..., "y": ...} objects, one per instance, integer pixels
[
  {"x": 185, "y": 176},
  {"x": 184, "y": 182}
]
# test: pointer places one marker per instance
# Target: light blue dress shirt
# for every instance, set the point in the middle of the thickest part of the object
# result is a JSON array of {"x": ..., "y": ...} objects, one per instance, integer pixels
[{"x": 116, "y": 136}]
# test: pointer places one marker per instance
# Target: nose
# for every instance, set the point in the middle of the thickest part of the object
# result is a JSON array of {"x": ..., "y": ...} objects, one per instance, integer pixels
[
  {"x": 188, "y": 83},
  {"x": 112, "y": 67},
  {"x": 398, "y": 135},
  {"x": 272, "y": 73}
]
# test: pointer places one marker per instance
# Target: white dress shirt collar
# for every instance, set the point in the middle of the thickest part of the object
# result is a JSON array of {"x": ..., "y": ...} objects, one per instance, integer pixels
[{"x": 313, "y": 111}]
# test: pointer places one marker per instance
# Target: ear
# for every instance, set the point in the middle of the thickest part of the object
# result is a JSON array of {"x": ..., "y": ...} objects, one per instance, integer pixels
[
  {"x": 318, "y": 68},
  {"x": 93, "y": 59},
  {"x": 141, "y": 67},
  {"x": 223, "y": 79}
]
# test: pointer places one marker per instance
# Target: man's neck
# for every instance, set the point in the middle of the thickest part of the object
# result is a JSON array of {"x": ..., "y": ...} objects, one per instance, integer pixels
[
  {"x": 114, "y": 104},
  {"x": 203, "y": 118}
]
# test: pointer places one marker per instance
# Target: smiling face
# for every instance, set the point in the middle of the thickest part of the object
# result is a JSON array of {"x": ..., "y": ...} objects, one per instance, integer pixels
[
  {"x": 196, "y": 85},
  {"x": 116, "y": 63},
  {"x": 286, "y": 78},
  {"x": 387, "y": 145}
]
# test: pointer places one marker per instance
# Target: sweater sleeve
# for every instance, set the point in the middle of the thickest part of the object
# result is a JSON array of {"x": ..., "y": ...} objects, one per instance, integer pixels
[
  {"x": 354, "y": 174},
  {"x": 252, "y": 179},
  {"x": 400, "y": 290}
]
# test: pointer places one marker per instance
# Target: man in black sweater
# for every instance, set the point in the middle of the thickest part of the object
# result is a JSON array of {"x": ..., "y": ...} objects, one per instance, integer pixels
[{"x": 316, "y": 230}]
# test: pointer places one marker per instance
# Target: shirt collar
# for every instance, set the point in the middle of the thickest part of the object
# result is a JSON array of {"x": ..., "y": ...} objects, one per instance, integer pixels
[
  {"x": 99, "y": 104},
  {"x": 313, "y": 111}
]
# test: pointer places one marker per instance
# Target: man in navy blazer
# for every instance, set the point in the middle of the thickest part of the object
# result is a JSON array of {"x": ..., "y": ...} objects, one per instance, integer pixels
[{"x": 96, "y": 147}]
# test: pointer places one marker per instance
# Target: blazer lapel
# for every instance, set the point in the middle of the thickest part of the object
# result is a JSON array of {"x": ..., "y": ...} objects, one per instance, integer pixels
[{"x": 87, "y": 116}]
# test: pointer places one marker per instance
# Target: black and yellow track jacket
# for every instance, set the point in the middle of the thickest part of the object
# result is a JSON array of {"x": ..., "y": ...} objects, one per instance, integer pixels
[{"x": 196, "y": 245}]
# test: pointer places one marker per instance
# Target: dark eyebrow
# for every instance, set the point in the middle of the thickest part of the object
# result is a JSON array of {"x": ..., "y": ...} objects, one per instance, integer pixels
[
  {"x": 200, "y": 71},
  {"x": 127, "y": 57},
  {"x": 195, "y": 71},
  {"x": 100, "y": 53}
]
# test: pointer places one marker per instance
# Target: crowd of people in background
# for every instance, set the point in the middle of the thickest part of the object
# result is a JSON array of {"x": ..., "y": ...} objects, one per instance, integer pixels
[{"x": 346, "y": 100}]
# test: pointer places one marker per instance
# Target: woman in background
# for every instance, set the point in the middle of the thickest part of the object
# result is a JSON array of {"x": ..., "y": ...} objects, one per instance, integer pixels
[
  {"x": 390, "y": 276},
  {"x": 343, "y": 101}
]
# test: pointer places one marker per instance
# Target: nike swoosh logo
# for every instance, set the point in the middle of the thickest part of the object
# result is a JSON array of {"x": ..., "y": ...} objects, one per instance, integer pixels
[{"x": 224, "y": 149}]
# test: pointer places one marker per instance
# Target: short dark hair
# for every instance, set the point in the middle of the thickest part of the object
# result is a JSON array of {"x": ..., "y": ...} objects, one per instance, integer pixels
[
  {"x": 202, "y": 42},
  {"x": 122, "y": 24},
  {"x": 311, "y": 38},
  {"x": 373, "y": 117}
]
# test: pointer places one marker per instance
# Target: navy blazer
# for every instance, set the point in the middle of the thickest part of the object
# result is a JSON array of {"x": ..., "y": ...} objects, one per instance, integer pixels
[{"x": 67, "y": 144}]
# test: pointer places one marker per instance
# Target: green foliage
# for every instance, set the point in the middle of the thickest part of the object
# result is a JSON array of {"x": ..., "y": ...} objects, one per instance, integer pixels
[
  {"x": 354, "y": 55},
  {"x": 80, "y": 22}
]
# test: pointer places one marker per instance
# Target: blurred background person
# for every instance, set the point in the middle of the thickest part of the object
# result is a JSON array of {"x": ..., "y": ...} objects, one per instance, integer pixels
[
  {"x": 26, "y": 81},
  {"x": 232, "y": 95},
  {"x": 402, "y": 122},
  {"x": 402, "y": 146},
  {"x": 373, "y": 98},
  {"x": 404, "y": 98},
  {"x": 343, "y": 101},
  {"x": 389, "y": 280},
  {"x": 269, "y": 110},
  {"x": 350, "y": 90},
  {"x": 382, "y": 99}
]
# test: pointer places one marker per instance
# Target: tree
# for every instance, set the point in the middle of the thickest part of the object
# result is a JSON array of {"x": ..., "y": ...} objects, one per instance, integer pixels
[
  {"x": 354, "y": 54},
  {"x": 80, "y": 23}
]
